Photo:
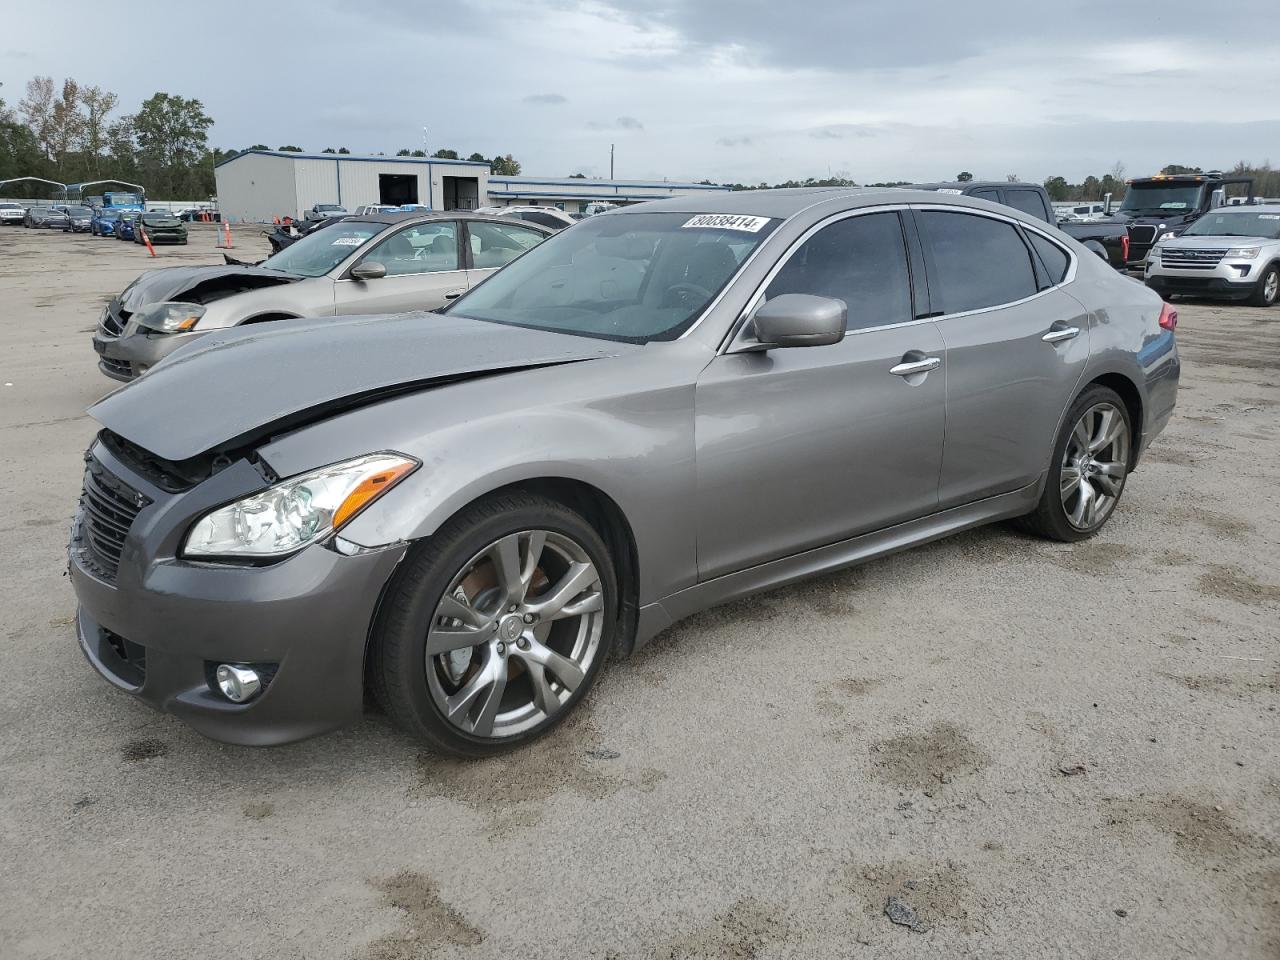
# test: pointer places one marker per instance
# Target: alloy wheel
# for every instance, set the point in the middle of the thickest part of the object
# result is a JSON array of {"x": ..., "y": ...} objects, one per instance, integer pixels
[
  {"x": 1271, "y": 286},
  {"x": 515, "y": 634},
  {"x": 1094, "y": 466}
]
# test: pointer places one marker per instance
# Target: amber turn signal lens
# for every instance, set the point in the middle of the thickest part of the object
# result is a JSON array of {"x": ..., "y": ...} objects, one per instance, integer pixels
[{"x": 370, "y": 487}]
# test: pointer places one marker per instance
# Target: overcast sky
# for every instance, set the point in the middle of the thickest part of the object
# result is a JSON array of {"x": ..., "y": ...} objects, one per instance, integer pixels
[{"x": 729, "y": 90}]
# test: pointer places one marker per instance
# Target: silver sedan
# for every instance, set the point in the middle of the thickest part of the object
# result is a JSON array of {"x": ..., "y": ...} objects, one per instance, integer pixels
[
  {"x": 661, "y": 409},
  {"x": 383, "y": 263}
]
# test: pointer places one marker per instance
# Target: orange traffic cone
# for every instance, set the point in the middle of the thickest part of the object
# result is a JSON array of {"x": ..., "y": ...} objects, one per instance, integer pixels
[
  {"x": 227, "y": 245},
  {"x": 147, "y": 240}
]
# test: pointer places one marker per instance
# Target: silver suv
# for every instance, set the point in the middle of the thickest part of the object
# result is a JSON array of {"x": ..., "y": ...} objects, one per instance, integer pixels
[{"x": 1230, "y": 252}]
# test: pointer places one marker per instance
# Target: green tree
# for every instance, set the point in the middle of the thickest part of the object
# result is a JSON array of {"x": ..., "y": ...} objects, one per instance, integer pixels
[
  {"x": 258, "y": 146},
  {"x": 343, "y": 150},
  {"x": 53, "y": 116},
  {"x": 446, "y": 155},
  {"x": 1057, "y": 188},
  {"x": 964, "y": 176},
  {"x": 403, "y": 152},
  {"x": 577, "y": 176},
  {"x": 289, "y": 149},
  {"x": 1174, "y": 169},
  {"x": 172, "y": 135},
  {"x": 328, "y": 150},
  {"x": 478, "y": 158},
  {"x": 97, "y": 104},
  {"x": 505, "y": 166}
]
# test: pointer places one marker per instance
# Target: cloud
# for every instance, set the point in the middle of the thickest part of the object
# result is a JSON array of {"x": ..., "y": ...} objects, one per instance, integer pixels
[
  {"x": 622, "y": 123},
  {"x": 551, "y": 99}
]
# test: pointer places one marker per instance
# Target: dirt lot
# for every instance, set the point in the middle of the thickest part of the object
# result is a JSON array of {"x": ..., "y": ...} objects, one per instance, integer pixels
[{"x": 1038, "y": 750}]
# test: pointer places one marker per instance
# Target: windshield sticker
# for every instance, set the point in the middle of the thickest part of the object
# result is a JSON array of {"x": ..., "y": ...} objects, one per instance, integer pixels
[
  {"x": 1269, "y": 216},
  {"x": 1173, "y": 205},
  {"x": 951, "y": 190},
  {"x": 727, "y": 222},
  {"x": 348, "y": 241}
]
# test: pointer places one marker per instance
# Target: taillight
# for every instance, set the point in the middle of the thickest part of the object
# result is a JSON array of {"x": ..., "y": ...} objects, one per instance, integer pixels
[
  {"x": 1168, "y": 317},
  {"x": 1124, "y": 246}
]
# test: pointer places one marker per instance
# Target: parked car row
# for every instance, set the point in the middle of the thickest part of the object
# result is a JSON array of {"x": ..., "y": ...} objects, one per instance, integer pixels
[
  {"x": 470, "y": 512},
  {"x": 158, "y": 225}
]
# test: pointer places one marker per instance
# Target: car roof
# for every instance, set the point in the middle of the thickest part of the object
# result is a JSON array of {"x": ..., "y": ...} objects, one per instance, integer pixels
[
  {"x": 1248, "y": 208},
  {"x": 783, "y": 203},
  {"x": 408, "y": 216},
  {"x": 971, "y": 184}
]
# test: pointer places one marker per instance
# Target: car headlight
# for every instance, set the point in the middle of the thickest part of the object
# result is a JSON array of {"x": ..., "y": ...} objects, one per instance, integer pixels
[
  {"x": 169, "y": 317},
  {"x": 1167, "y": 235},
  {"x": 1244, "y": 253},
  {"x": 298, "y": 511}
]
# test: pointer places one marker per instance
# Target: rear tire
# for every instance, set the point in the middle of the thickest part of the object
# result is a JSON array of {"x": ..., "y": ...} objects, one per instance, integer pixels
[
  {"x": 518, "y": 596},
  {"x": 1088, "y": 469},
  {"x": 1267, "y": 290}
]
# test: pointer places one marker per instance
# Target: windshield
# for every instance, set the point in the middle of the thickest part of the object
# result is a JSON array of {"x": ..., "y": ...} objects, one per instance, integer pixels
[
  {"x": 1162, "y": 198},
  {"x": 635, "y": 276},
  {"x": 79, "y": 211},
  {"x": 10, "y": 206},
  {"x": 1236, "y": 225},
  {"x": 319, "y": 252},
  {"x": 160, "y": 219},
  {"x": 326, "y": 206}
]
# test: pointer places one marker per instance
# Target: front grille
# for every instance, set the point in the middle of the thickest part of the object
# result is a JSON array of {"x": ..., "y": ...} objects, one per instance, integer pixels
[
  {"x": 108, "y": 507},
  {"x": 1142, "y": 234},
  {"x": 1191, "y": 259},
  {"x": 112, "y": 321},
  {"x": 122, "y": 367}
]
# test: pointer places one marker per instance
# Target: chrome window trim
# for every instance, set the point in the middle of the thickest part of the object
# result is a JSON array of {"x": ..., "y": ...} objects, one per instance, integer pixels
[{"x": 734, "y": 342}]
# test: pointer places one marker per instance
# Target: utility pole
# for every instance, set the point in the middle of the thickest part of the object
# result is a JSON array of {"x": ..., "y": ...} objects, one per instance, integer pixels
[{"x": 611, "y": 161}]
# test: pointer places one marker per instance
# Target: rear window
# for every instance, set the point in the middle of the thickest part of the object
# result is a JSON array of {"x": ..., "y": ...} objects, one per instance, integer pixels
[
  {"x": 1029, "y": 201},
  {"x": 978, "y": 262}
]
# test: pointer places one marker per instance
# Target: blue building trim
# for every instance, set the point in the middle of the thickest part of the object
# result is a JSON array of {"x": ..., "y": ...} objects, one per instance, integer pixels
[
  {"x": 614, "y": 184},
  {"x": 514, "y": 194}
]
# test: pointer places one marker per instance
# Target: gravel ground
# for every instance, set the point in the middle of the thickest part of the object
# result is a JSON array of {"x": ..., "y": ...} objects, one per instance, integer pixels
[{"x": 1036, "y": 750}]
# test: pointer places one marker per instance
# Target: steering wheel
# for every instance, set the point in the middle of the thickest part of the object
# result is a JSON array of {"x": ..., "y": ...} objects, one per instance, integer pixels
[{"x": 690, "y": 293}]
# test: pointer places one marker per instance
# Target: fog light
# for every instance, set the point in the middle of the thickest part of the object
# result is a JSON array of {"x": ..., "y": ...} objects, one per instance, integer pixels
[{"x": 237, "y": 684}]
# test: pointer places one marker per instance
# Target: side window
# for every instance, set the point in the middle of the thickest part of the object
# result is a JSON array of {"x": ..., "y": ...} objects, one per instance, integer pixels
[
  {"x": 1053, "y": 257},
  {"x": 545, "y": 219},
  {"x": 1028, "y": 201},
  {"x": 979, "y": 262},
  {"x": 426, "y": 248},
  {"x": 986, "y": 193},
  {"x": 497, "y": 244},
  {"x": 861, "y": 260}
]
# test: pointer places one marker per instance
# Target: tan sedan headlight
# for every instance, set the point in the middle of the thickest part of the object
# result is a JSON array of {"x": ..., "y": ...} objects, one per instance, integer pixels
[
  {"x": 297, "y": 511},
  {"x": 169, "y": 317}
]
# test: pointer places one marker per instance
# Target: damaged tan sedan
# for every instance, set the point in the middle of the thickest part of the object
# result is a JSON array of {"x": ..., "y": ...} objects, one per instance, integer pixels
[{"x": 379, "y": 264}]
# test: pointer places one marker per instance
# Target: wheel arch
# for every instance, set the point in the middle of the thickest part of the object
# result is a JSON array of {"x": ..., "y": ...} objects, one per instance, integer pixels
[
  {"x": 598, "y": 509},
  {"x": 267, "y": 318},
  {"x": 1128, "y": 392}
]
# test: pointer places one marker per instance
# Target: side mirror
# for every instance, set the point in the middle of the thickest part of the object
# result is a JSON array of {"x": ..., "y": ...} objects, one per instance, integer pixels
[
  {"x": 800, "y": 320},
  {"x": 369, "y": 270}
]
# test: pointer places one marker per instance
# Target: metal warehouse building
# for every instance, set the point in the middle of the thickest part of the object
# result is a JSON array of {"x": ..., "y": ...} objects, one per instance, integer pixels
[
  {"x": 258, "y": 185},
  {"x": 262, "y": 184}
]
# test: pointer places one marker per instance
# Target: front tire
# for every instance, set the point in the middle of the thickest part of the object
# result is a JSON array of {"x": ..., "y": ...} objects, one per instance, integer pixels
[
  {"x": 495, "y": 627},
  {"x": 1267, "y": 290},
  {"x": 1089, "y": 467}
]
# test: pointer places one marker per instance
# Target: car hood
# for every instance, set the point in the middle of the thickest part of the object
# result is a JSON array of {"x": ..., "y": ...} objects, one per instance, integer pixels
[
  {"x": 1215, "y": 243},
  {"x": 234, "y": 387},
  {"x": 172, "y": 283}
]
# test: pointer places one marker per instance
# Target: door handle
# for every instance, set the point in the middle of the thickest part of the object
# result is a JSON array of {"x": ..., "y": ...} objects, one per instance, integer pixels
[
  {"x": 916, "y": 366},
  {"x": 454, "y": 294},
  {"x": 1061, "y": 334}
]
